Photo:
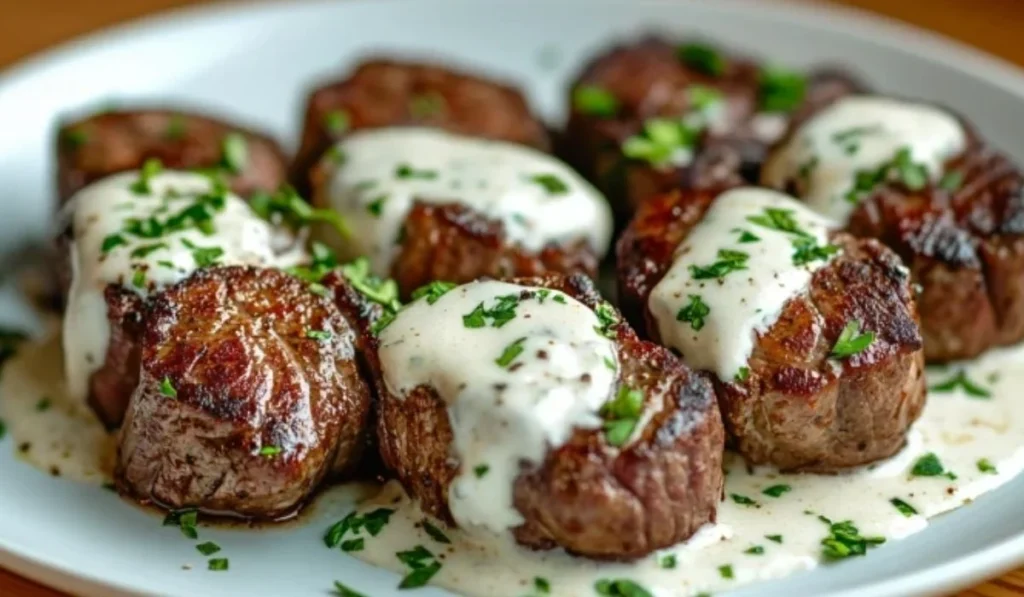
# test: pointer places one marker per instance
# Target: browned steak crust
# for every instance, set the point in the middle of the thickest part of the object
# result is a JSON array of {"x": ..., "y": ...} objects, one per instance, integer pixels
[
  {"x": 588, "y": 497},
  {"x": 647, "y": 79},
  {"x": 799, "y": 409},
  {"x": 110, "y": 142},
  {"x": 964, "y": 248},
  {"x": 455, "y": 243},
  {"x": 249, "y": 396},
  {"x": 382, "y": 93}
]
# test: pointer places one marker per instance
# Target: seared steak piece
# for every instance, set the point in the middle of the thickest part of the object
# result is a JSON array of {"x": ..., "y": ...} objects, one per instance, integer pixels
[
  {"x": 116, "y": 141},
  {"x": 961, "y": 233},
  {"x": 249, "y": 396},
  {"x": 592, "y": 495},
  {"x": 655, "y": 115},
  {"x": 455, "y": 243},
  {"x": 798, "y": 405},
  {"x": 381, "y": 93}
]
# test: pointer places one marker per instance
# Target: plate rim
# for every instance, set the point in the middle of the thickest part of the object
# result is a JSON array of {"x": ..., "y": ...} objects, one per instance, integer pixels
[{"x": 878, "y": 29}]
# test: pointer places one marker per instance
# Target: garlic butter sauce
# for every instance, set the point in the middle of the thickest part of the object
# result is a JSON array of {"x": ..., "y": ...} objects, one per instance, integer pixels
[
  {"x": 753, "y": 250},
  {"x": 375, "y": 176},
  {"x": 519, "y": 368},
  {"x": 851, "y": 140}
]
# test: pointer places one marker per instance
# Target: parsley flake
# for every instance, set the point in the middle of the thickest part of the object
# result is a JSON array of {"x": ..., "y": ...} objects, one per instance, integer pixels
[
  {"x": 595, "y": 101},
  {"x": 510, "y": 353},
  {"x": 435, "y": 533},
  {"x": 904, "y": 508},
  {"x": 694, "y": 313},
  {"x": 728, "y": 261},
  {"x": 336, "y": 122},
  {"x": 405, "y": 171},
  {"x": 985, "y": 465},
  {"x": 167, "y": 389},
  {"x": 208, "y": 549},
  {"x": 702, "y": 58},
  {"x": 218, "y": 564},
  {"x": 269, "y": 451},
  {"x": 960, "y": 381},
  {"x": 234, "y": 152},
  {"x": 777, "y": 490},
  {"x": 851, "y": 341},
  {"x": 551, "y": 183},
  {"x": 781, "y": 89},
  {"x": 433, "y": 291},
  {"x": 620, "y": 587},
  {"x": 321, "y": 335}
]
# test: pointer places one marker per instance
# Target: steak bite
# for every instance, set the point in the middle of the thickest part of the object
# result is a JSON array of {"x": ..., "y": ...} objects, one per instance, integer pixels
[
  {"x": 919, "y": 179},
  {"x": 383, "y": 93},
  {"x": 529, "y": 407},
  {"x": 424, "y": 204},
  {"x": 812, "y": 335},
  {"x": 654, "y": 115},
  {"x": 249, "y": 396},
  {"x": 127, "y": 237},
  {"x": 115, "y": 141}
]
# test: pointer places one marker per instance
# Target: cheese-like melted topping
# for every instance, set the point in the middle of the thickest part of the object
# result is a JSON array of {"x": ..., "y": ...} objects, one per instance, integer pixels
[
  {"x": 841, "y": 148},
  {"x": 376, "y": 175},
  {"x": 514, "y": 390},
  {"x": 753, "y": 251},
  {"x": 145, "y": 241}
]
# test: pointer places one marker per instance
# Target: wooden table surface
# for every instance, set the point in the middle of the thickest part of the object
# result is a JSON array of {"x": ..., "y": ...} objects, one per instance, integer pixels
[{"x": 28, "y": 26}]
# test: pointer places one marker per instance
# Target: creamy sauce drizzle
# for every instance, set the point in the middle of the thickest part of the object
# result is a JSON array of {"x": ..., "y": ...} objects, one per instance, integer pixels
[
  {"x": 713, "y": 321},
  {"x": 959, "y": 429},
  {"x": 513, "y": 391},
  {"x": 101, "y": 211},
  {"x": 377, "y": 176},
  {"x": 860, "y": 134}
]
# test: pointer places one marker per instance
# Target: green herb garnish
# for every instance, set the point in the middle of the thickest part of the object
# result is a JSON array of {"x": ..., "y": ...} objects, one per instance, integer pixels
[
  {"x": 427, "y": 105},
  {"x": 777, "y": 490},
  {"x": 728, "y": 261},
  {"x": 844, "y": 540},
  {"x": 660, "y": 140},
  {"x": 755, "y": 550},
  {"x": 929, "y": 465},
  {"x": 234, "y": 152},
  {"x": 694, "y": 313},
  {"x": 218, "y": 564},
  {"x": 353, "y": 545},
  {"x": 702, "y": 58},
  {"x": 510, "y": 353},
  {"x": 726, "y": 572},
  {"x": 851, "y": 341},
  {"x": 985, "y": 465},
  {"x": 782, "y": 90},
  {"x": 608, "y": 319},
  {"x": 594, "y": 101},
  {"x": 208, "y": 549},
  {"x": 336, "y": 122},
  {"x": 904, "y": 508},
  {"x": 405, "y": 171},
  {"x": 621, "y": 415},
  {"x": 270, "y": 451},
  {"x": 480, "y": 470},
  {"x": 167, "y": 389},
  {"x": 150, "y": 168},
  {"x": 620, "y": 587},
  {"x": 435, "y": 533},
  {"x": 742, "y": 500},
  {"x": 321, "y": 335},
  {"x": 551, "y": 183},
  {"x": 376, "y": 206},
  {"x": 185, "y": 520},
  {"x": 112, "y": 241},
  {"x": 962, "y": 382},
  {"x": 433, "y": 291},
  {"x": 775, "y": 538},
  {"x": 668, "y": 562},
  {"x": 541, "y": 585},
  {"x": 343, "y": 591},
  {"x": 951, "y": 181}
]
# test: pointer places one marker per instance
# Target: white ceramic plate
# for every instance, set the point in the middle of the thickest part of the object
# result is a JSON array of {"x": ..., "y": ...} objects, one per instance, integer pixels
[{"x": 255, "y": 62}]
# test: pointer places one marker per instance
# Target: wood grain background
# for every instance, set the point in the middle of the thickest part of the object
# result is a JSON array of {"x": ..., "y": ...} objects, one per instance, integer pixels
[{"x": 28, "y": 26}]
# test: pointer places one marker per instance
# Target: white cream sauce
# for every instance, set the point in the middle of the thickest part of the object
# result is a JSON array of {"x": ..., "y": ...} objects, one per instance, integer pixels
[
  {"x": 513, "y": 391},
  {"x": 713, "y": 321},
  {"x": 147, "y": 261},
  {"x": 860, "y": 134},
  {"x": 377, "y": 175},
  {"x": 959, "y": 429}
]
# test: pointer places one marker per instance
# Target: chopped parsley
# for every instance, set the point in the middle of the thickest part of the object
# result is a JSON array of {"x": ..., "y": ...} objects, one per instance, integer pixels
[
  {"x": 607, "y": 318},
  {"x": 904, "y": 508},
  {"x": 844, "y": 540},
  {"x": 427, "y": 105},
  {"x": 807, "y": 250},
  {"x": 503, "y": 311},
  {"x": 746, "y": 236},
  {"x": 405, "y": 171},
  {"x": 139, "y": 278},
  {"x": 775, "y": 538},
  {"x": 929, "y": 465},
  {"x": 234, "y": 152},
  {"x": 321, "y": 335},
  {"x": 742, "y": 375},
  {"x": 435, "y": 533},
  {"x": 985, "y": 465},
  {"x": 742, "y": 500},
  {"x": 755, "y": 550},
  {"x": 336, "y": 122},
  {"x": 851, "y": 341},
  {"x": 480, "y": 470},
  {"x": 142, "y": 251},
  {"x": 353, "y": 545},
  {"x": 781, "y": 89},
  {"x": 620, "y": 587},
  {"x": 779, "y": 219},
  {"x": 433, "y": 291},
  {"x": 901, "y": 168},
  {"x": 43, "y": 404},
  {"x": 167, "y": 389},
  {"x": 423, "y": 567},
  {"x": 777, "y": 490},
  {"x": 208, "y": 549},
  {"x": 270, "y": 451},
  {"x": 541, "y": 585},
  {"x": 694, "y": 313},
  {"x": 203, "y": 256},
  {"x": 286, "y": 204},
  {"x": 660, "y": 140},
  {"x": 595, "y": 101},
  {"x": 960, "y": 381},
  {"x": 74, "y": 138},
  {"x": 951, "y": 181},
  {"x": 668, "y": 562},
  {"x": 150, "y": 168},
  {"x": 373, "y": 522},
  {"x": 176, "y": 126},
  {"x": 621, "y": 415},
  {"x": 185, "y": 520},
  {"x": 376, "y": 206},
  {"x": 728, "y": 261},
  {"x": 384, "y": 292},
  {"x": 551, "y": 183},
  {"x": 703, "y": 97},
  {"x": 218, "y": 564},
  {"x": 510, "y": 353},
  {"x": 343, "y": 591},
  {"x": 702, "y": 58},
  {"x": 112, "y": 241},
  {"x": 726, "y": 572}
]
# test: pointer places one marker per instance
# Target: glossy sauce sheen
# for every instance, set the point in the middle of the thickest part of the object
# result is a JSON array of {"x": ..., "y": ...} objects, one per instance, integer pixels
[
  {"x": 743, "y": 302},
  {"x": 860, "y": 134},
  {"x": 501, "y": 414},
  {"x": 100, "y": 210},
  {"x": 960, "y": 429},
  {"x": 378, "y": 174}
]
